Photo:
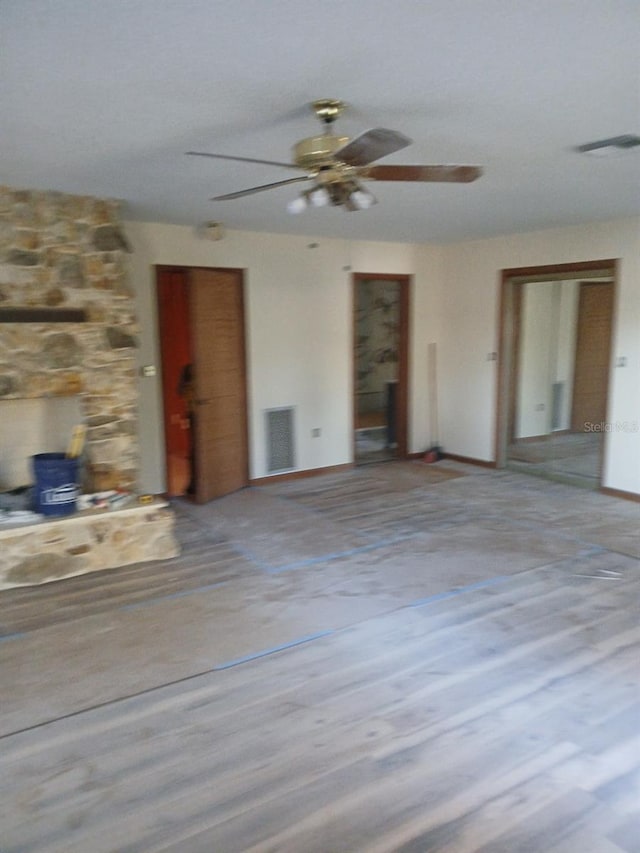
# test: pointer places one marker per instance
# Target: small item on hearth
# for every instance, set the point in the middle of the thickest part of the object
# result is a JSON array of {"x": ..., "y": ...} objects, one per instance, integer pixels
[
  {"x": 76, "y": 444},
  {"x": 19, "y": 516},
  {"x": 118, "y": 498}
]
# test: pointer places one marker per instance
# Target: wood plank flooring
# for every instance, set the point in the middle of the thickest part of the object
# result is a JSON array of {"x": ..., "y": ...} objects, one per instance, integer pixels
[{"x": 495, "y": 716}]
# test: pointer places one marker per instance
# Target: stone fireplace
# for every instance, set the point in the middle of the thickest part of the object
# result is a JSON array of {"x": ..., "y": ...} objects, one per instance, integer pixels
[
  {"x": 68, "y": 330},
  {"x": 66, "y": 255}
]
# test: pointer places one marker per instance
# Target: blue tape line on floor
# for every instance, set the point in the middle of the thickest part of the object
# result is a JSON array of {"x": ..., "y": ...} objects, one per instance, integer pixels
[
  {"x": 592, "y": 551},
  {"x": 440, "y": 596},
  {"x": 324, "y": 558},
  {"x": 6, "y": 637},
  {"x": 250, "y": 556},
  {"x": 265, "y": 652},
  {"x": 181, "y": 594}
]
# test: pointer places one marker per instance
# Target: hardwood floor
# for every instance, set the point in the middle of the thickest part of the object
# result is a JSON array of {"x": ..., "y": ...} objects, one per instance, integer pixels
[{"x": 464, "y": 677}]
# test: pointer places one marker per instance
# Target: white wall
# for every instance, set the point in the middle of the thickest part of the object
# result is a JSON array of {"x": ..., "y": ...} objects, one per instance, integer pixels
[
  {"x": 469, "y": 331},
  {"x": 535, "y": 359},
  {"x": 299, "y": 332},
  {"x": 566, "y": 346},
  {"x": 547, "y": 355},
  {"x": 299, "y": 316}
]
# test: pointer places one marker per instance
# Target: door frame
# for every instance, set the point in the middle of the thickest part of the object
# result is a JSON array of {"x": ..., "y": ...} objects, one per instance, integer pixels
[
  {"x": 509, "y": 323},
  {"x": 185, "y": 270},
  {"x": 402, "y": 393}
]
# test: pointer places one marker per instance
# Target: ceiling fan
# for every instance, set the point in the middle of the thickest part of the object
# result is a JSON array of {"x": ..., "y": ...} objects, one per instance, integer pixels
[{"x": 336, "y": 165}]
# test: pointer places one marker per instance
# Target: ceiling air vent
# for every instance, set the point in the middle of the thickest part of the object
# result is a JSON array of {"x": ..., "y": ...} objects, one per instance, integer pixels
[{"x": 609, "y": 147}]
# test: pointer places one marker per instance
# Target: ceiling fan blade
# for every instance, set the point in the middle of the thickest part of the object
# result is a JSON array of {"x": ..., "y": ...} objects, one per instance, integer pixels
[
  {"x": 260, "y": 189},
  {"x": 451, "y": 174},
  {"x": 242, "y": 159},
  {"x": 372, "y": 145}
]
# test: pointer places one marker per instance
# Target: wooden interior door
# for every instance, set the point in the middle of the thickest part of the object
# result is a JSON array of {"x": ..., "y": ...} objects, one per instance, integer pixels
[
  {"x": 216, "y": 309},
  {"x": 175, "y": 353},
  {"x": 593, "y": 348}
]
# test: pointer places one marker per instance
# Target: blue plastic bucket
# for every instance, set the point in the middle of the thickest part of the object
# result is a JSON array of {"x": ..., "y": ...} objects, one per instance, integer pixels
[{"x": 56, "y": 487}]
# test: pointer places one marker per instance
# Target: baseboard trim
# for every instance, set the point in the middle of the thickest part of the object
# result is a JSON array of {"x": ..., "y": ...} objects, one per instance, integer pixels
[
  {"x": 299, "y": 475},
  {"x": 545, "y": 436},
  {"x": 619, "y": 493},
  {"x": 469, "y": 460}
]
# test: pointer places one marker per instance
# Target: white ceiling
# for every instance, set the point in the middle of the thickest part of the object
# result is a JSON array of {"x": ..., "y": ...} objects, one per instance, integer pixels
[{"x": 103, "y": 97}]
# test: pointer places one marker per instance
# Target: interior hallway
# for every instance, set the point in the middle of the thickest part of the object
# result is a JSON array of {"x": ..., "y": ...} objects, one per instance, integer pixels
[{"x": 399, "y": 657}]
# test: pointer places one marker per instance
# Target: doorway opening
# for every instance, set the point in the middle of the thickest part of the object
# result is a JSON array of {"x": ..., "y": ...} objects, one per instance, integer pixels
[
  {"x": 555, "y": 355},
  {"x": 380, "y": 357},
  {"x": 202, "y": 353}
]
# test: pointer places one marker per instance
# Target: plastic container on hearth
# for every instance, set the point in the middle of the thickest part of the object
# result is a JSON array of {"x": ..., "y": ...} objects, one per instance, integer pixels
[{"x": 56, "y": 483}]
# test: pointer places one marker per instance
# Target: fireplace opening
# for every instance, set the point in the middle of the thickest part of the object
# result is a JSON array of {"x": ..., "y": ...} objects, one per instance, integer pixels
[{"x": 31, "y": 426}]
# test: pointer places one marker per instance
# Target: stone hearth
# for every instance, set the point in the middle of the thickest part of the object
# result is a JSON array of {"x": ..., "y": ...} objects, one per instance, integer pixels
[{"x": 84, "y": 542}]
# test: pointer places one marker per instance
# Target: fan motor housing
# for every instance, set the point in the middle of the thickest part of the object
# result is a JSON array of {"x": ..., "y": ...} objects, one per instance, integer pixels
[{"x": 316, "y": 151}]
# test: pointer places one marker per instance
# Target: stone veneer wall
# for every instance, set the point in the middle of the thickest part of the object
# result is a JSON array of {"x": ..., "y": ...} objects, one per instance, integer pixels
[{"x": 63, "y": 251}]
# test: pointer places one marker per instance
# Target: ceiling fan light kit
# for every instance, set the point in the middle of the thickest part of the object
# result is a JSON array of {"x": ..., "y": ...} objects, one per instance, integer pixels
[
  {"x": 297, "y": 205},
  {"x": 337, "y": 165},
  {"x": 347, "y": 194},
  {"x": 363, "y": 199},
  {"x": 319, "y": 197}
]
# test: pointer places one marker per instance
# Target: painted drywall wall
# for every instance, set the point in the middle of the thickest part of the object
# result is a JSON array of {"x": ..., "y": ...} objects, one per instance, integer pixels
[
  {"x": 299, "y": 333},
  {"x": 469, "y": 333},
  {"x": 567, "y": 326},
  {"x": 535, "y": 360},
  {"x": 547, "y": 356}
]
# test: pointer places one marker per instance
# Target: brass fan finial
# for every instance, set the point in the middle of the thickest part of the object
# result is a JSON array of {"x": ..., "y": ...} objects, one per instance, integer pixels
[{"x": 328, "y": 110}]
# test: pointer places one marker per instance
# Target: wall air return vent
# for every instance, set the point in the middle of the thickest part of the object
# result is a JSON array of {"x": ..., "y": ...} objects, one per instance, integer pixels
[{"x": 280, "y": 450}]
